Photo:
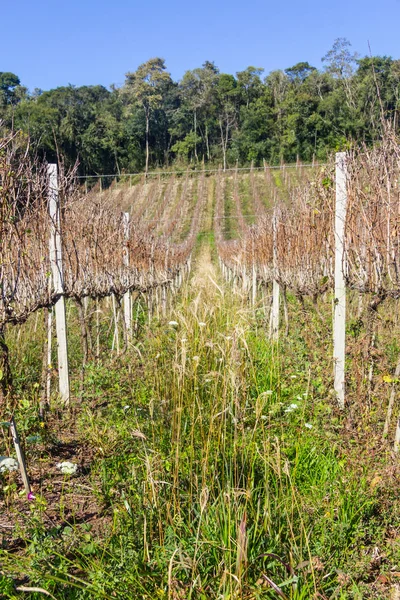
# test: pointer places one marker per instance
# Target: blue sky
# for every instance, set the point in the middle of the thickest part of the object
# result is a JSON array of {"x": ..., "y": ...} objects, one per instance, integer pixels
[{"x": 48, "y": 44}]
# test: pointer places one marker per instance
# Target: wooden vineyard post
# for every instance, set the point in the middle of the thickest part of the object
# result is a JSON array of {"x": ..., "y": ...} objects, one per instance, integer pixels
[
  {"x": 164, "y": 300},
  {"x": 397, "y": 438},
  {"x": 20, "y": 456},
  {"x": 274, "y": 320},
  {"x": 115, "y": 342},
  {"x": 254, "y": 277},
  {"x": 49, "y": 349},
  {"x": 97, "y": 329},
  {"x": 254, "y": 286},
  {"x": 127, "y": 296},
  {"x": 339, "y": 319},
  {"x": 58, "y": 284}
]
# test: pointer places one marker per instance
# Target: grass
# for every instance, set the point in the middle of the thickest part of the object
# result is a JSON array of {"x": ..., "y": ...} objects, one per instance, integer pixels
[{"x": 213, "y": 464}]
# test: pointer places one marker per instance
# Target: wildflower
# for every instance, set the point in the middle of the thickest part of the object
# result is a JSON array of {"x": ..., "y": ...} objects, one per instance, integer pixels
[
  {"x": 291, "y": 408},
  {"x": 67, "y": 467},
  {"x": 8, "y": 464},
  {"x": 184, "y": 340},
  {"x": 126, "y": 407},
  {"x": 308, "y": 425},
  {"x": 31, "y": 496},
  {"x": 173, "y": 323},
  {"x": 202, "y": 324}
]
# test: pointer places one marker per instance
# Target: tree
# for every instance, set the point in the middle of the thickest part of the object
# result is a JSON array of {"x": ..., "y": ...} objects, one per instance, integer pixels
[
  {"x": 253, "y": 140},
  {"x": 341, "y": 64},
  {"x": 146, "y": 86},
  {"x": 250, "y": 84},
  {"x": 377, "y": 92},
  {"x": 8, "y": 84},
  {"x": 190, "y": 88},
  {"x": 227, "y": 109},
  {"x": 339, "y": 60},
  {"x": 299, "y": 72},
  {"x": 205, "y": 80},
  {"x": 278, "y": 84}
]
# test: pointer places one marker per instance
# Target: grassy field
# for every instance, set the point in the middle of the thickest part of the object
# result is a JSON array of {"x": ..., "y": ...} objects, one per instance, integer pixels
[{"x": 212, "y": 463}]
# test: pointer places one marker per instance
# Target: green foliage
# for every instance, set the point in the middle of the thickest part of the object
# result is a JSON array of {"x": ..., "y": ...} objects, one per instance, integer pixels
[
  {"x": 10, "y": 89},
  {"x": 299, "y": 112}
]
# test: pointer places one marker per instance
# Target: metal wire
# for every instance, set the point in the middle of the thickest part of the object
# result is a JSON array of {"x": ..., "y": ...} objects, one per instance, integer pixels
[{"x": 199, "y": 172}]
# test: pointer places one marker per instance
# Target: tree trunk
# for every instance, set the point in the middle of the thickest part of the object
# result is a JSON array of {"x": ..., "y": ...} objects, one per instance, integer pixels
[
  {"x": 147, "y": 142},
  {"x": 5, "y": 370},
  {"x": 46, "y": 369},
  {"x": 84, "y": 333},
  {"x": 223, "y": 143},
  {"x": 195, "y": 135},
  {"x": 392, "y": 399},
  {"x": 207, "y": 144}
]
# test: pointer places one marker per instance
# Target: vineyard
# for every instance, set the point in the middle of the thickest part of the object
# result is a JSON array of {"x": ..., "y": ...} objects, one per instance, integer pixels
[{"x": 203, "y": 369}]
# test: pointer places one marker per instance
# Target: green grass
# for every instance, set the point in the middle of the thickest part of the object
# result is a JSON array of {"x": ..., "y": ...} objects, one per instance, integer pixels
[
  {"x": 205, "y": 485},
  {"x": 214, "y": 464}
]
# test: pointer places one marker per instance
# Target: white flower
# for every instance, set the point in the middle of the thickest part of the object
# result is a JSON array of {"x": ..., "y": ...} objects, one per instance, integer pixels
[
  {"x": 126, "y": 407},
  {"x": 293, "y": 377},
  {"x": 173, "y": 323},
  {"x": 8, "y": 464},
  {"x": 202, "y": 324},
  {"x": 308, "y": 425},
  {"x": 291, "y": 408},
  {"x": 184, "y": 340},
  {"x": 67, "y": 467}
]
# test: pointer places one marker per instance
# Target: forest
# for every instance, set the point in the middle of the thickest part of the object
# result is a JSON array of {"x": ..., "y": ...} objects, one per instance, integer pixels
[{"x": 209, "y": 117}]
